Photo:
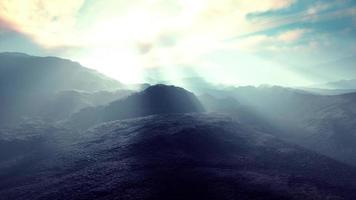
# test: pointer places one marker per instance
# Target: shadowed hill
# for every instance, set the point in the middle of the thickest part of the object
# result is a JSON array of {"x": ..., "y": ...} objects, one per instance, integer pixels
[
  {"x": 157, "y": 99},
  {"x": 26, "y": 82},
  {"x": 21, "y": 73}
]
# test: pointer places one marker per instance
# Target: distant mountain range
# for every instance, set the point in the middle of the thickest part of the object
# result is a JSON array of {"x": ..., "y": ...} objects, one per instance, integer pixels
[
  {"x": 68, "y": 132},
  {"x": 324, "y": 123},
  {"x": 320, "y": 91},
  {"x": 27, "y": 83},
  {"x": 49, "y": 74},
  {"x": 340, "y": 85},
  {"x": 340, "y": 69}
]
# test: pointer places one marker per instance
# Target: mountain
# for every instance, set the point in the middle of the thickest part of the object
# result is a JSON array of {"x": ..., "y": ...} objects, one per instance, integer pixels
[
  {"x": 27, "y": 82},
  {"x": 68, "y": 132},
  {"x": 349, "y": 84},
  {"x": 63, "y": 104},
  {"x": 23, "y": 73},
  {"x": 329, "y": 70},
  {"x": 320, "y": 91},
  {"x": 173, "y": 156},
  {"x": 219, "y": 104},
  {"x": 157, "y": 99},
  {"x": 198, "y": 85},
  {"x": 322, "y": 123}
]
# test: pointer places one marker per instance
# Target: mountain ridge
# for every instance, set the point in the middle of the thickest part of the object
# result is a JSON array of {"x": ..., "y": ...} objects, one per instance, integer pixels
[
  {"x": 27, "y": 82},
  {"x": 157, "y": 99}
]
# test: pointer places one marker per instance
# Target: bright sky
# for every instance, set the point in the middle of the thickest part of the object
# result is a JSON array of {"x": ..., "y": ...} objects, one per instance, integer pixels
[{"x": 286, "y": 42}]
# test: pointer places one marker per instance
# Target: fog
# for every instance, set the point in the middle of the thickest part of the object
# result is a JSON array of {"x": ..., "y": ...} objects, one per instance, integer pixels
[{"x": 67, "y": 128}]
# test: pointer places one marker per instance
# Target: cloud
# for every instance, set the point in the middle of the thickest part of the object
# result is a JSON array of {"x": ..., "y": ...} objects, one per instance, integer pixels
[
  {"x": 318, "y": 7},
  {"x": 229, "y": 17},
  {"x": 55, "y": 23},
  {"x": 172, "y": 33},
  {"x": 309, "y": 14},
  {"x": 289, "y": 39},
  {"x": 353, "y": 15},
  {"x": 120, "y": 38},
  {"x": 292, "y": 35},
  {"x": 50, "y": 23},
  {"x": 260, "y": 6}
]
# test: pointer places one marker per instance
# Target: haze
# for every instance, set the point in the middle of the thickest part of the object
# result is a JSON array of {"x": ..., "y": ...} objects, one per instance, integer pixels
[
  {"x": 284, "y": 42},
  {"x": 178, "y": 99}
]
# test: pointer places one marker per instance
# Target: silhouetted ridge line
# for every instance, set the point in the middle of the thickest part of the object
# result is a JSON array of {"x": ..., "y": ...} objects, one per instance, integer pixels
[{"x": 157, "y": 99}]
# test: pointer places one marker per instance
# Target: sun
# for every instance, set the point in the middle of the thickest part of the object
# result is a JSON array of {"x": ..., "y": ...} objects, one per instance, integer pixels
[
  {"x": 124, "y": 46},
  {"x": 115, "y": 63},
  {"x": 115, "y": 44}
]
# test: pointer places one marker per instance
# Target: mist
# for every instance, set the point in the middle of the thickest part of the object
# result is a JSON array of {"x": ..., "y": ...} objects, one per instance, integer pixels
[{"x": 178, "y": 100}]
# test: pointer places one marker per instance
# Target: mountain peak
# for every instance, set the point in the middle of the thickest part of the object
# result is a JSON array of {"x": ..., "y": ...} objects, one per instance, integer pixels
[
  {"x": 17, "y": 54},
  {"x": 161, "y": 89},
  {"x": 156, "y": 99}
]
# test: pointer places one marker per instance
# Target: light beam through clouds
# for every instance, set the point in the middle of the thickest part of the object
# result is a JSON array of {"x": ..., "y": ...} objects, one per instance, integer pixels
[{"x": 126, "y": 39}]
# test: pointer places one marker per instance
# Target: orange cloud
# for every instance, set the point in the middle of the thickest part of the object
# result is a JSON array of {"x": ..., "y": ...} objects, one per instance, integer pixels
[
  {"x": 49, "y": 23},
  {"x": 53, "y": 23},
  {"x": 148, "y": 33},
  {"x": 282, "y": 41},
  {"x": 292, "y": 35}
]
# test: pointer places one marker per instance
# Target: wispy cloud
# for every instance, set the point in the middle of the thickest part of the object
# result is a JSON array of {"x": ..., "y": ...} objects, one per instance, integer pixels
[
  {"x": 54, "y": 23},
  {"x": 50, "y": 23},
  {"x": 289, "y": 39},
  {"x": 292, "y": 35},
  {"x": 318, "y": 7},
  {"x": 316, "y": 12},
  {"x": 116, "y": 35}
]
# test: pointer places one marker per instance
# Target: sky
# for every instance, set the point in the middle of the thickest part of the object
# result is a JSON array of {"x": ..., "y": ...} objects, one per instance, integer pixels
[{"x": 240, "y": 42}]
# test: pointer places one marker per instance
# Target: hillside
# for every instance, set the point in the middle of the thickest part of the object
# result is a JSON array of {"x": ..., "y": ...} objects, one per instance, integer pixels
[
  {"x": 323, "y": 123},
  {"x": 181, "y": 156},
  {"x": 27, "y": 82},
  {"x": 157, "y": 99}
]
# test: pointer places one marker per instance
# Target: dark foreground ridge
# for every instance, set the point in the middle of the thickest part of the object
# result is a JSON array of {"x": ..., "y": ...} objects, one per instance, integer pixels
[{"x": 175, "y": 156}]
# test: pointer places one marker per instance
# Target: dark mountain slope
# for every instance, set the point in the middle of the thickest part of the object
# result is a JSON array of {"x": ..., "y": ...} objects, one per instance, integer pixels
[
  {"x": 158, "y": 99},
  {"x": 27, "y": 82},
  {"x": 24, "y": 73},
  {"x": 63, "y": 104},
  {"x": 174, "y": 157}
]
